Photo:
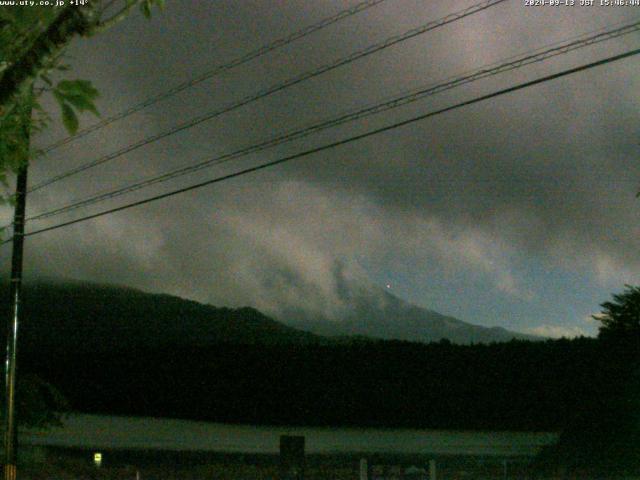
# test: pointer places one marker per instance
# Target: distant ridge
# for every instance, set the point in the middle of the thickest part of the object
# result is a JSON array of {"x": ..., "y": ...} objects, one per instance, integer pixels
[{"x": 71, "y": 315}]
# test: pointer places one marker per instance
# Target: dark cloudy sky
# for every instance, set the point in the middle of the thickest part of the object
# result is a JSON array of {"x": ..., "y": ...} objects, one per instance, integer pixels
[{"x": 518, "y": 212}]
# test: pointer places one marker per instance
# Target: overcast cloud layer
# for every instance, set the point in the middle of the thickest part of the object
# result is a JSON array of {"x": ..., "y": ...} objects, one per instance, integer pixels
[{"x": 518, "y": 212}]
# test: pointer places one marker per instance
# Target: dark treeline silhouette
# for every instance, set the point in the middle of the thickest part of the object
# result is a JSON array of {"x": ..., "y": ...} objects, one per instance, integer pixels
[
  {"x": 518, "y": 385},
  {"x": 121, "y": 351}
]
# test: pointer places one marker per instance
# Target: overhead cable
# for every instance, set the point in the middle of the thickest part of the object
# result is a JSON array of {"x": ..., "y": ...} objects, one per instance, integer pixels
[
  {"x": 483, "y": 72},
  {"x": 338, "y": 143},
  {"x": 274, "y": 88},
  {"x": 236, "y": 62}
]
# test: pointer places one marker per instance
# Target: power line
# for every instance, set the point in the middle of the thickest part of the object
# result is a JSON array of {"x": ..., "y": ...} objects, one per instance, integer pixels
[
  {"x": 483, "y": 72},
  {"x": 276, "y": 88},
  {"x": 279, "y": 43},
  {"x": 345, "y": 141}
]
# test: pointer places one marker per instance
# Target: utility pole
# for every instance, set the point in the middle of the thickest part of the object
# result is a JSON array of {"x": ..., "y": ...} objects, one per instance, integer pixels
[{"x": 15, "y": 289}]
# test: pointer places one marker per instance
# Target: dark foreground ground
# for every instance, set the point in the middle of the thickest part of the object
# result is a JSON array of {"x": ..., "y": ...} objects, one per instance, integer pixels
[{"x": 316, "y": 469}]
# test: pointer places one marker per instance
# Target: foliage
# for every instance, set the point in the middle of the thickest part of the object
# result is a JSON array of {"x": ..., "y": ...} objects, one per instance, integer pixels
[
  {"x": 146, "y": 5},
  {"x": 602, "y": 436},
  {"x": 384, "y": 384},
  {"x": 602, "y": 440},
  {"x": 40, "y": 404},
  {"x": 19, "y": 29},
  {"x": 620, "y": 318},
  {"x": 76, "y": 95},
  {"x": 32, "y": 42},
  {"x": 13, "y": 132}
]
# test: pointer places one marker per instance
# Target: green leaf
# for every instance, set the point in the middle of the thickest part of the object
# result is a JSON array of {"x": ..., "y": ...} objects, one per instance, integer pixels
[
  {"x": 145, "y": 6},
  {"x": 58, "y": 96},
  {"x": 78, "y": 94},
  {"x": 77, "y": 87},
  {"x": 82, "y": 104},
  {"x": 69, "y": 118}
]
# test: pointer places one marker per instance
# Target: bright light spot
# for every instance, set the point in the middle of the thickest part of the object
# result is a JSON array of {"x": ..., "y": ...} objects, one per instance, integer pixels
[
  {"x": 97, "y": 459},
  {"x": 388, "y": 285}
]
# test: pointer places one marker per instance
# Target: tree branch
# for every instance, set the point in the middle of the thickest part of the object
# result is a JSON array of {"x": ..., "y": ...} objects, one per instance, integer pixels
[
  {"x": 117, "y": 17},
  {"x": 72, "y": 21}
]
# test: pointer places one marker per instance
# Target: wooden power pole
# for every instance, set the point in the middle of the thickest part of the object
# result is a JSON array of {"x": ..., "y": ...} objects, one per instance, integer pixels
[{"x": 15, "y": 288}]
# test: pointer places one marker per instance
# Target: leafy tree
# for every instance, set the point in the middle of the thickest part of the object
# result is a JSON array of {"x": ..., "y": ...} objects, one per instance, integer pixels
[
  {"x": 620, "y": 318},
  {"x": 603, "y": 434},
  {"x": 32, "y": 44}
]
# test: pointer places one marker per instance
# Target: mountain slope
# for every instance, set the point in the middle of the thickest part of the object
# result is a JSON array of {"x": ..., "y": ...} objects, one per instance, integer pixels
[
  {"x": 91, "y": 317},
  {"x": 377, "y": 313},
  {"x": 77, "y": 316}
]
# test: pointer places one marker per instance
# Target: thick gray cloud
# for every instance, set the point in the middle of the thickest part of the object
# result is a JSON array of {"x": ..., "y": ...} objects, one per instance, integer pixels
[{"x": 483, "y": 212}]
